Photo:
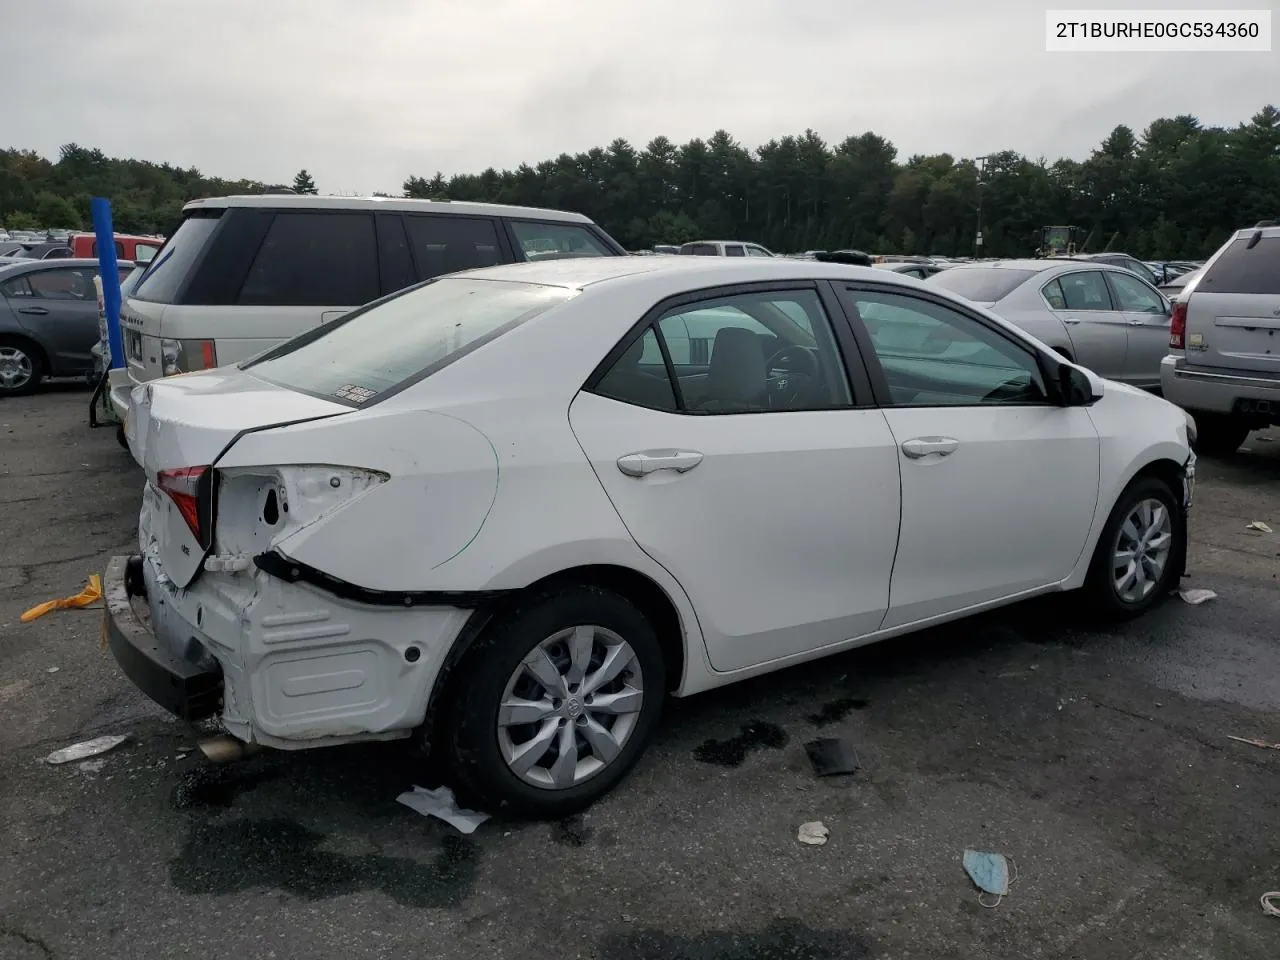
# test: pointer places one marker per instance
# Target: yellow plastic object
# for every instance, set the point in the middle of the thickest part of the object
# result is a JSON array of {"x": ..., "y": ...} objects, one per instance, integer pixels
[{"x": 90, "y": 594}]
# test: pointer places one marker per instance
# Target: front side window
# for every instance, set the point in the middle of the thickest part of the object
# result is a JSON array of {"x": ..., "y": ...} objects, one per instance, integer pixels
[
  {"x": 757, "y": 252},
  {"x": 1085, "y": 291},
  {"x": 1134, "y": 296},
  {"x": 69, "y": 284},
  {"x": 739, "y": 354},
  {"x": 934, "y": 356},
  {"x": 314, "y": 260},
  {"x": 370, "y": 353},
  {"x": 546, "y": 241}
]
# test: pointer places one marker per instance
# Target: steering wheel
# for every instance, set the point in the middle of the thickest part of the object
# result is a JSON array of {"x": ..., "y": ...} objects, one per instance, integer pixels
[{"x": 800, "y": 370}]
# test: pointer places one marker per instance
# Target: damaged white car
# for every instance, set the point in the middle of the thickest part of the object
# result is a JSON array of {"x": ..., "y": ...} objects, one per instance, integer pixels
[{"x": 512, "y": 510}]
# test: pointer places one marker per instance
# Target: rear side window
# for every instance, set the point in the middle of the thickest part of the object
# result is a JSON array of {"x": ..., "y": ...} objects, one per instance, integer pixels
[
  {"x": 448, "y": 244},
  {"x": 314, "y": 260},
  {"x": 370, "y": 353},
  {"x": 702, "y": 250},
  {"x": 981, "y": 284},
  {"x": 1244, "y": 270},
  {"x": 539, "y": 241},
  {"x": 169, "y": 270},
  {"x": 733, "y": 250}
]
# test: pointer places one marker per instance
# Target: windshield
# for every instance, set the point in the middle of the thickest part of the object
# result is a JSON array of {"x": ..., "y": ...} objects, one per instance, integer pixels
[
  {"x": 395, "y": 342},
  {"x": 981, "y": 284}
]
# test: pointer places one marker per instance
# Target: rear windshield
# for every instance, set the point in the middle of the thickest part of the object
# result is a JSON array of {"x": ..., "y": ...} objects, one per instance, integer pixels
[
  {"x": 375, "y": 351},
  {"x": 1241, "y": 270},
  {"x": 981, "y": 284},
  {"x": 169, "y": 269}
]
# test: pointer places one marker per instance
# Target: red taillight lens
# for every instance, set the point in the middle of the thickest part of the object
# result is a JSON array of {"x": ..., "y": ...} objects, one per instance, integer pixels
[
  {"x": 1178, "y": 326},
  {"x": 183, "y": 488},
  {"x": 207, "y": 354}
]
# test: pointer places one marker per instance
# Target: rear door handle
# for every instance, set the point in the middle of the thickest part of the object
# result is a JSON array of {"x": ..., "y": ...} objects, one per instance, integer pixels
[
  {"x": 646, "y": 462},
  {"x": 38, "y": 311},
  {"x": 1137, "y": 323},
  {"x": 925, "y": 446},
  {"x": 1071, "y": 320}
]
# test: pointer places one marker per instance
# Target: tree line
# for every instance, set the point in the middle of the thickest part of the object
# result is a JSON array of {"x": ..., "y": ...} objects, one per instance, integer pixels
[{"x": 1177, "y": 189}]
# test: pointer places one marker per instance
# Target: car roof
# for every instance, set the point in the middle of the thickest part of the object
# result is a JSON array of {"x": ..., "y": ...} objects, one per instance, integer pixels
[
  {"x": 286, "y": 201},
  {"x": 580, "y": 272},
  {"x": 35, "y": 265}
]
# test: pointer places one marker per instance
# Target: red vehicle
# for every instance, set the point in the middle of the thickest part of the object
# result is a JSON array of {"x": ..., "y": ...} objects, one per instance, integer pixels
[{"x": 128, "y": 247}]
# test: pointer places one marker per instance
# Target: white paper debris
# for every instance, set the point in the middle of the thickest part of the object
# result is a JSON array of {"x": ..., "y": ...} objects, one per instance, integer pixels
[
  {"x": 440, "y": 803},
  {"x": 1197, "y": 595},
  {"x": 53, "y": 670},
  {"x": 1259, "y": 526},
  {"x": 89, "y": 748},
  {"x": 814, "y": 833}
]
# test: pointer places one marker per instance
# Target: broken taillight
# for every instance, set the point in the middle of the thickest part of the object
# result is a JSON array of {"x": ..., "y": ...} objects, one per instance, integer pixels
[{"x": 183, "y": 487}]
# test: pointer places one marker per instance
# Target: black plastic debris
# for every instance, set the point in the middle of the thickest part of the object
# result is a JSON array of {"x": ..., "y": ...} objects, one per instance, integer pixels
[{"x": 832, "y": 757}]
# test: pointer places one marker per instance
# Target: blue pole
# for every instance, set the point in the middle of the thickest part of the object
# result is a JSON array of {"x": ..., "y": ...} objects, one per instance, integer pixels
[{"x": 101, "y": 208}]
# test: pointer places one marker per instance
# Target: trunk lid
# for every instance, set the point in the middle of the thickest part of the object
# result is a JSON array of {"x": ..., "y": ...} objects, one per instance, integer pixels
[
  {"x": 185, "y": 422},
  {"x": 1233, "y": 307}
]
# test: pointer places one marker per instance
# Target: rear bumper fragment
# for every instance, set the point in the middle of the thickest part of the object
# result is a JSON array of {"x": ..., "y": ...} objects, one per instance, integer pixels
[{"x": 185, "y": 688}]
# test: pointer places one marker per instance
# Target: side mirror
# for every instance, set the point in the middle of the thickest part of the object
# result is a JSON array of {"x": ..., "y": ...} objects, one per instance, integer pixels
[{"x": 1077, "y": 387}]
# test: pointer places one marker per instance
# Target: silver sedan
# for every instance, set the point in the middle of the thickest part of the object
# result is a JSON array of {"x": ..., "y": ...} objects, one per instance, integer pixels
[{"x": 1102, "y": 317}]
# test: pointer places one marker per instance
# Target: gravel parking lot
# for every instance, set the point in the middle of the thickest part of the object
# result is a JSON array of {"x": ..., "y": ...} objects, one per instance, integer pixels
[{"x": 1098, "y": 761}]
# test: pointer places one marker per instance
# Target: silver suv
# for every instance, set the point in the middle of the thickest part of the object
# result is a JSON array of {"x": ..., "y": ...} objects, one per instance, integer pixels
[{"x": 1223, "y": 364}]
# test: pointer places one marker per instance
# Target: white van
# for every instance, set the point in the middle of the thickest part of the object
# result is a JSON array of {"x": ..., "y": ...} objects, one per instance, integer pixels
[{"x": 240, "y": 274}]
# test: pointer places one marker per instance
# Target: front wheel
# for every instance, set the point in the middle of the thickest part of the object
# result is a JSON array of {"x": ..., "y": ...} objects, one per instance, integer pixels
[
  {"x": 21, "y": 367},
  {"x": 555, "y": 703},
  {"x": 1138, "y": 557}
]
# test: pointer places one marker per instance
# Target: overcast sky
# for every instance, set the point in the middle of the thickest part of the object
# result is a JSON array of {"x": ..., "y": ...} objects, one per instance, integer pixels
[{"x": 365, "y": 92}]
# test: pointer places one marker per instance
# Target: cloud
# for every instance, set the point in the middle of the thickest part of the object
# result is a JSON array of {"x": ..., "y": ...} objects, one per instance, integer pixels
[{"x": 365, "y": 93}]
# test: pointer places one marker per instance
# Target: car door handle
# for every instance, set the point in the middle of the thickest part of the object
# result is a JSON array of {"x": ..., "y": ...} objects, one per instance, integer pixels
[
  {"x": 1137, "y": 323},
  {"x": 1070, "y": 320},
  {"x": 924, "y": 446},
  {"x": 38, "y": 311},
  {"x": 646, "y": 462}
]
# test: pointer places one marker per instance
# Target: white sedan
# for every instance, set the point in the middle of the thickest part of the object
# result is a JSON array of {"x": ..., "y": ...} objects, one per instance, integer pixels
[{"x": 513, "y": 509}]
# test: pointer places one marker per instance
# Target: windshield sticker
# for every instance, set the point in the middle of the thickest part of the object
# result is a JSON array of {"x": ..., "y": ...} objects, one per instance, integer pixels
[{"x": 349, "y": 391}]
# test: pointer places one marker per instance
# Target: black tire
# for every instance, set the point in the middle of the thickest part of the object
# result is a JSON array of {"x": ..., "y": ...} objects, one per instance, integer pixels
[
  {"x": 1218, "y": 434},
  {"x": 1100, "y": 592},
  {"x": 470, "y": 733},
  {"x": 34, "y": 356}
]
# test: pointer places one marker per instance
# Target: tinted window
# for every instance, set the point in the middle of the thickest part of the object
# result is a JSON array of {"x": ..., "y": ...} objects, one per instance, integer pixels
[
  {"x": 981, "y": 284},
  {"x": 1085, "y": 291},
  {"x": 444, "y": 244},
  {"x": 733, "y": 250},
  {"x": 1053, "y": 295},
  {"x": 314, "y": 260},
  {"x": 395, "y": 262},
  {"x": 934, "y": 356},
  {"x": 703, "y": 250},
  {"x": 639, "y": 376},
  {"x": 75, "y": 283},
  {"x": 1133, "y": 295},
  {"x": 548, "y": 240},
  {"x": 1241, "y": 270},
  {"x": 169, "y": 270},
  {"x": 373, "y": 351},
  {"x": 748, "y": 354}
]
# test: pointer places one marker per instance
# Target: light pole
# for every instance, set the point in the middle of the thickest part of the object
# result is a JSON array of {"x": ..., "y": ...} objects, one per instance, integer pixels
[{"x": 982, "y": 169}]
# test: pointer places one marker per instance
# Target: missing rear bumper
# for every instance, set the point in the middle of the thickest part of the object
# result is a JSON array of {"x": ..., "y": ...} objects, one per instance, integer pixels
[{"x": 187, "y": 689}]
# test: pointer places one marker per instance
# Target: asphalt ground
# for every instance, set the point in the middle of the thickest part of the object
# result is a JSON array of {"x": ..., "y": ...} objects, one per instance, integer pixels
[{"x": 1099, "y": 762}]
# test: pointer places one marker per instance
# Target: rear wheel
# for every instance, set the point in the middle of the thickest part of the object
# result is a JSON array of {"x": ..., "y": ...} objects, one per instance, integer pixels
[
  {"x": 21, "y": 367},
  {"x": 555, "y": 703},
  {"x": 1138, "y": 557},
  {"x": 1218, "y": 434}
]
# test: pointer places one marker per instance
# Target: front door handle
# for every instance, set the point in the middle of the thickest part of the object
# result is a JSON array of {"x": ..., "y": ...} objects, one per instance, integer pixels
[
  {"x": 1071, "y": 321},
  {"x": 925, "y": 446},
  {"x": 646, "y": 462},
  {"x": 1137, "y": 323},
  {"x": 38, "y": 311}
]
